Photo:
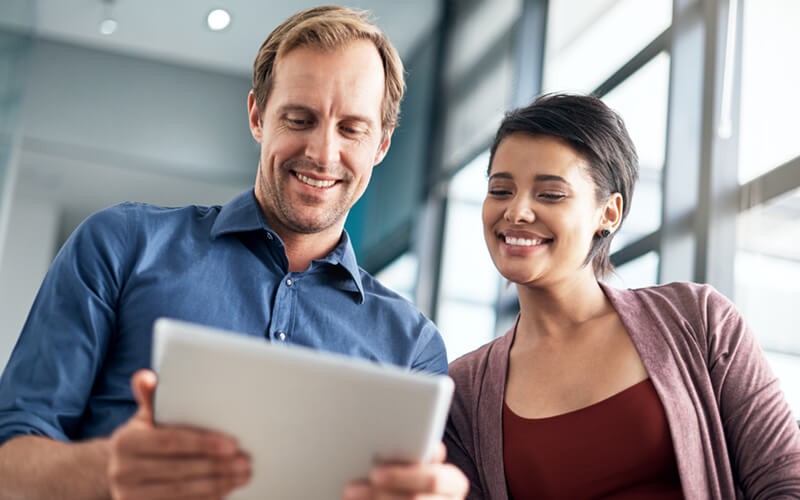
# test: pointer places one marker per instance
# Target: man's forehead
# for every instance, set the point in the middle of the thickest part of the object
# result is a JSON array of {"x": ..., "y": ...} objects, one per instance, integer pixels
[
  {"x": 348, "y": 79},
  {"x": 360, "y": 55}
]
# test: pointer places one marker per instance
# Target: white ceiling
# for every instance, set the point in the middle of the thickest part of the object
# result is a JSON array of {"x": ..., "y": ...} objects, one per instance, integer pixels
[{"x": 175, "y": 30}]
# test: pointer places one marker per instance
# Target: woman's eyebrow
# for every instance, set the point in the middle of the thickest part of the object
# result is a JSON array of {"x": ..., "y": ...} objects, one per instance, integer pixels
[
  {"x": 550, "y": 177},
  {"x": 500, "y": 175}
]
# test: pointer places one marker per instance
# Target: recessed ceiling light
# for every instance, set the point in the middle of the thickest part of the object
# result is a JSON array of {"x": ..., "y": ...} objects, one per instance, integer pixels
[
  {"x": 218, "y": 19},
  {"x": 108, "y": 26}
]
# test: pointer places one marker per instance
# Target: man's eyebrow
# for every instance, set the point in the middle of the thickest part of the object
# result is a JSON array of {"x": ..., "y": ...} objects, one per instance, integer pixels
[
  {"x": 359, "y": 118},
  {"x": 296, "y": 108}
]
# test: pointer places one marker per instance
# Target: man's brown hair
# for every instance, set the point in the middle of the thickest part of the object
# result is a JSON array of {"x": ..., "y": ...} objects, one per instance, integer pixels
[{"x": 328, "y": 28}]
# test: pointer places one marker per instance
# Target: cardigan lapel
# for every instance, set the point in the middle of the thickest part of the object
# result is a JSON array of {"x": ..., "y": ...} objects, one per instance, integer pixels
[
  {"x": 490, "y": 416},
  {"x": 670, "y": 377}
]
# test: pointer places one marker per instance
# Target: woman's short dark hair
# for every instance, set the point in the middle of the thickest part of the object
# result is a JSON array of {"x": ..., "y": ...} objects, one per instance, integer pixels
[{"x": 598, "y": 134}]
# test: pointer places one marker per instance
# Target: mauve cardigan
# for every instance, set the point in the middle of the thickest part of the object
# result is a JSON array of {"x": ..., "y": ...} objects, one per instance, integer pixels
[{"x": 733, "y": 432}]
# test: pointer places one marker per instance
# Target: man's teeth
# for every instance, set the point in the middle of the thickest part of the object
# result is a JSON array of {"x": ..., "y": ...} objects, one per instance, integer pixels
[
  {"x": 522, "y": 242},
  {"x": 314, "y": 182}
]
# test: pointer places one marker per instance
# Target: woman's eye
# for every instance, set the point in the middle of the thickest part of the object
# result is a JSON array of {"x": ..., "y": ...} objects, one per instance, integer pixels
[
  {"x": 499, "y": 192},
  {"x": 552, "y": 196}
]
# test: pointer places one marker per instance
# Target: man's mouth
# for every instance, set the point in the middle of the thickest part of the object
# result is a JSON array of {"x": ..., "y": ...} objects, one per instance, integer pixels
[{"x": 317, "y": 183}]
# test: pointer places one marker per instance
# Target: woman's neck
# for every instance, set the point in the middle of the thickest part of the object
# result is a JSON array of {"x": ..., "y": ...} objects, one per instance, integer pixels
[{"x": 559, "y": 311}]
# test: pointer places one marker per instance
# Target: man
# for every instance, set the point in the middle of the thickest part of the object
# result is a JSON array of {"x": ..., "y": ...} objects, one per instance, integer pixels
[{"x": 273, "y": 262}]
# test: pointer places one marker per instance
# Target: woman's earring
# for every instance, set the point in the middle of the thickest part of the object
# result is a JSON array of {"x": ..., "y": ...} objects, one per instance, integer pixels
[{"x": 604, "y": 233}]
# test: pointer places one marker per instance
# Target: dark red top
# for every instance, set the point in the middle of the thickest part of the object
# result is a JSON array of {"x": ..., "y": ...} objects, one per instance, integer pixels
[{"x": 617, "y": 448}]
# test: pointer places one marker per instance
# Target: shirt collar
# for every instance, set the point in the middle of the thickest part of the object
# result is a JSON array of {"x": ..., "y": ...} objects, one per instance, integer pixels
[
  {"x": 344, "y": 256},
  {"x": 240, "y": 215},
  {"x": 243, "y": 214}
]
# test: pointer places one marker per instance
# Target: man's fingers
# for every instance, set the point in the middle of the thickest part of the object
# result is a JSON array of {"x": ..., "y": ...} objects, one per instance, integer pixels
[
  {"x": 143, "y": 384},
  {"x": 436, "y": 479},
  {"x": 202, "y": 487},
  {"x": 165, "y": 469},
  {"x": 357, "y": 491},
  {"x": 171, "y": 462},
  {"x": 439, "y": 454},
  {"x": 175, "y": 442}
]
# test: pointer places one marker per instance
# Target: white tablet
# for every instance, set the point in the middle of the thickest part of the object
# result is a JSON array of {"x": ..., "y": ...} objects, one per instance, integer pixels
[{"x": 311, "y": 421}]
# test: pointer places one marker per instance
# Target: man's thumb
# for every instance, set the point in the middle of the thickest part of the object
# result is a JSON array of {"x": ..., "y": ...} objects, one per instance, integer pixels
[{"x": 143, "y": 384}]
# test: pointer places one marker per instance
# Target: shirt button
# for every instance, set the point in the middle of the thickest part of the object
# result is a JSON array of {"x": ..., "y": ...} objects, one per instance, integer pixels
[
  {"x": 289, "y": 282},
  {"x": 281, "y": 336}
]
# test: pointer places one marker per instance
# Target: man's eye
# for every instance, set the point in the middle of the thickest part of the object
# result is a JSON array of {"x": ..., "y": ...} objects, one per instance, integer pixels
[
  {"x": 352, "y": 131},
  {"x": 298, "y": 122}
]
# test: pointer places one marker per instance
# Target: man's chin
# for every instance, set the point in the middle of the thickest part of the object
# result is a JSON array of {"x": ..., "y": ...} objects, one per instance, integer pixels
[{"x": 311, "y": 226}]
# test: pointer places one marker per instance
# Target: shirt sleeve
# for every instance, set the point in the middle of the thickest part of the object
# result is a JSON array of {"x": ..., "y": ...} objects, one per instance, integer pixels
[
  {"x": 47, "y": 382},
  {"x": 762, "y": 435},
  {"x": 431, "y": 356}
]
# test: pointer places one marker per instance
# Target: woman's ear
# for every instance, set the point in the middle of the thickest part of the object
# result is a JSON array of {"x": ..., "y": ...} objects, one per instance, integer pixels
[{"x": 612, "y": 213}]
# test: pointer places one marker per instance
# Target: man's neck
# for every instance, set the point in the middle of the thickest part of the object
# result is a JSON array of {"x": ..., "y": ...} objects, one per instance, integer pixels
[{"x": 301, "y": 249}]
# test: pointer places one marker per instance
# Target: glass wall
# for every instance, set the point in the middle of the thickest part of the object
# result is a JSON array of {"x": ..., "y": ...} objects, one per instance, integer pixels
[
  {"x": 770, "y": 79},
  {"x": 588, "y": 40},
  {"x": 400, "y": 275},
  {"x": 641, "y": 100},
  {"x": 692, "y": 218},
  {"x": 767, "y": 259}
]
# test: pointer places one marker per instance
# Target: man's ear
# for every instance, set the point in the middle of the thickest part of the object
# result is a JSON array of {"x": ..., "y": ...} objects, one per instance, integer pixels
[
  {"x": 612, "y": 212},
  {"x": 383, "y": 148},
  {"x": 254, "y": 116}
]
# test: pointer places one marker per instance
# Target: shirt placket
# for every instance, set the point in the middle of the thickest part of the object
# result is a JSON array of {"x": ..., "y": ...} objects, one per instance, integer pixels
[{"x": 283, "y": 309}]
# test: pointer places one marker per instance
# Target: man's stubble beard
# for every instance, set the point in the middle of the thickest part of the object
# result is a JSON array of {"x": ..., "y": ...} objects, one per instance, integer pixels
[{"x": 291, "y": 215}]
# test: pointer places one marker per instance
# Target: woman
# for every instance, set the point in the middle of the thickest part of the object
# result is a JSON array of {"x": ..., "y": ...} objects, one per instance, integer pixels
[{"x": 658, "y": 392}]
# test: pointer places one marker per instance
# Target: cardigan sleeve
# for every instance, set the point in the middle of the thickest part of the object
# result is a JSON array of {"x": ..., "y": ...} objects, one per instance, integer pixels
[
  {"x": 458, "y": 454},
  {"x": 459, "y": 437},
  {"x": 763, "y": 437}
]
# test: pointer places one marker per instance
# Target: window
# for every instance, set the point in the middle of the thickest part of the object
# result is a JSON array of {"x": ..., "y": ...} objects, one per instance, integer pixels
[
  {"x": 401, "y": 275},
  {"x": 767, "y": 260},
  {"x": 637, "y": 273},
  {"x": 588, "y": 40},
  {"x": 641, "y": 100},
  {"x": 768, "y": 284},
  {"x": 770, "y": 79},
  {"x": 469, "y": 280}
]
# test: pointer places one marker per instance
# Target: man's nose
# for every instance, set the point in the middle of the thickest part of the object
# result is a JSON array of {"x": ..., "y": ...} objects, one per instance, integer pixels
[{"x": 323, "y": 146}]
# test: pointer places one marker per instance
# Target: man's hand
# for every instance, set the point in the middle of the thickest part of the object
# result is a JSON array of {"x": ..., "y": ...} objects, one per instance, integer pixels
[
  {"x": 435, "y": 480},
  {"x": 171, "y": 462}
]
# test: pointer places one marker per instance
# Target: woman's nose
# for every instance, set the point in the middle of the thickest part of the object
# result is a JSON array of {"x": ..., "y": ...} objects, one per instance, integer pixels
[{"x": 519, "y": 213}]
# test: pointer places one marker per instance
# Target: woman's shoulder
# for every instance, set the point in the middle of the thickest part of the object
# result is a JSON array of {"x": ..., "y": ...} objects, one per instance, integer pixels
[
  {"x": 685, "y": 294},
  {"x": 697, "y": 310}
]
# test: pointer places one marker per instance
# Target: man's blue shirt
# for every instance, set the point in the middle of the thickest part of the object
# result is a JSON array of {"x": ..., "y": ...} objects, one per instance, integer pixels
[{"x": 90, "y": 326}]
